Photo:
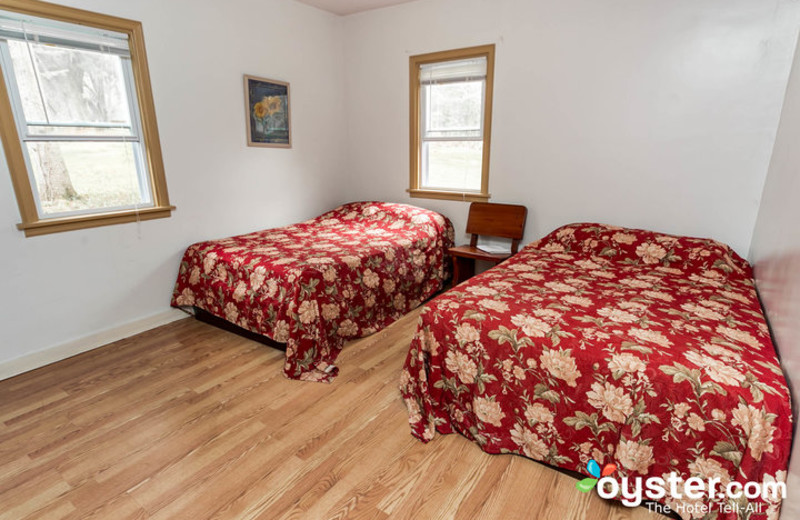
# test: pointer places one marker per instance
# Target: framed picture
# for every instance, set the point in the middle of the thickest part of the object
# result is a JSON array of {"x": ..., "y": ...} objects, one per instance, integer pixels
[{"x": 267, "y": 106}]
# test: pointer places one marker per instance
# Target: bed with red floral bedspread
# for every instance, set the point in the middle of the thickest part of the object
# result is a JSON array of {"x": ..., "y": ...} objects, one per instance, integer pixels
[
  {"x": 314, "y": 285},
  {"x": 624, "y": 346}
]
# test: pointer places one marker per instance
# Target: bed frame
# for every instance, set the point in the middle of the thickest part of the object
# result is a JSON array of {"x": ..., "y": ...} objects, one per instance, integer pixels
[{"x": 207, "y": 317}]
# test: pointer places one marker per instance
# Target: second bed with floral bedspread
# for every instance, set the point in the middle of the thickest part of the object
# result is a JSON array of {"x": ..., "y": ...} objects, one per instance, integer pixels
[
  {"x": 623, "y": 346},
  {"x": 316, "y": 284}
]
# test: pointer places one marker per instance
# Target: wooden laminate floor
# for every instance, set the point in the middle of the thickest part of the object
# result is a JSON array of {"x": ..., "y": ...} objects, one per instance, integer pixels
[{"x": 191, "y": 422}]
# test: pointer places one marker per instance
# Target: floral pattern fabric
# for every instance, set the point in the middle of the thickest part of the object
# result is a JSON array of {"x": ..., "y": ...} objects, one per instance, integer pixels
[
  {"x": 624, "y": 346},
  {"x": 314, "y": 285}
]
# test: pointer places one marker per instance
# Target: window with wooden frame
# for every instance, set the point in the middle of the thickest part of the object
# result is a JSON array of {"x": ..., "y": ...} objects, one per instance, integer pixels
[
  {"x": 77, "y": 119},
  {"x": 451, "y": 122}
]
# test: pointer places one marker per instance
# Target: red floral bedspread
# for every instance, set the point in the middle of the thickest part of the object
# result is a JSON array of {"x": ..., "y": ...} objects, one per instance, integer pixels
[
  {"x": 314, "y": 285},
  {"x": 624, "y": 346}
]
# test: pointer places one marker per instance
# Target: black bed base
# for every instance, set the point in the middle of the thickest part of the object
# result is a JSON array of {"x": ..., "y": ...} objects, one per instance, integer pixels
[{"x": 207, "y": 317}]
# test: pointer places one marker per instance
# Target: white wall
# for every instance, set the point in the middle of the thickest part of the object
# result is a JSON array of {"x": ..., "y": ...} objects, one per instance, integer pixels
[
  {"x": 776, "y": 253},
  {"x": 636, "y": 112},
  {"x": 642, "y": 113},
  {"x": 58, "y": 288}
]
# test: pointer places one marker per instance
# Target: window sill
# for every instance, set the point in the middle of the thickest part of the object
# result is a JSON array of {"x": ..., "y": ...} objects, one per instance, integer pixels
[
  {"x": 466, "y": 196},
  {"x": 57, "y": 225}
]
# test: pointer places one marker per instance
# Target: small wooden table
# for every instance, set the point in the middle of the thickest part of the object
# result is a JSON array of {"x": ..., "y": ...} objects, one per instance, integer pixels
[
  {"x": 489, "y": 219},
  {"x": 464, "y": 261}
]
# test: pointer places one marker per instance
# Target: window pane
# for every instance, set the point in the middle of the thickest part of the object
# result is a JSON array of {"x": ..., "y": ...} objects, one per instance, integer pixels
[
  {"x": 78, "y": 131},
  {"x": 26, "y": 81},
  {"x": 454, "y": 165},
  {"x": 75, "y": 176},
  {"x": 64, "y": 85},
  {"x": 455, "y": 107}
]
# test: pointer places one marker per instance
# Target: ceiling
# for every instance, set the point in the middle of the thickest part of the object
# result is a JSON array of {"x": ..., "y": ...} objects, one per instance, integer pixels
[{"x": 344, "y": 7}]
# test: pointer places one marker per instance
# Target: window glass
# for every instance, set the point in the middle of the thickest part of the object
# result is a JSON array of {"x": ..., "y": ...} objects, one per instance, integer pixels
[
  {"x": 72, "y": 86},
  {"x": 83, "y": 176},
  {"x": 455, "y": 108},
  {"x": 453, "y": 165}
]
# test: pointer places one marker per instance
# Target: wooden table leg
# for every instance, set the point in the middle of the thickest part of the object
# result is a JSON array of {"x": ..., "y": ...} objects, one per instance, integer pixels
[{"x": 463, "y": 269}]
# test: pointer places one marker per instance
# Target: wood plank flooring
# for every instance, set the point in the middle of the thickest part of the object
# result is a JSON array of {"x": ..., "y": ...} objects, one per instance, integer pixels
[{"x": 191, "y": 422}]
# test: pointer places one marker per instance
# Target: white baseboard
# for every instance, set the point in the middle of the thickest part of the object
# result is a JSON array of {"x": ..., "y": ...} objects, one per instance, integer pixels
[{"x": 93, "y": 341}]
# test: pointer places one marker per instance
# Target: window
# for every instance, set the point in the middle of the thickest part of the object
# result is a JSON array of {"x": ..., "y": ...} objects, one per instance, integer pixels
[
  {"x": 78, "y": 123},
  {"x": 451, "y": 115}
]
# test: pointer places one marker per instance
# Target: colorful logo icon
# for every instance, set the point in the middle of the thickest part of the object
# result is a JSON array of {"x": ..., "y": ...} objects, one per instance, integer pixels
[{"x": 588, "y": 484}]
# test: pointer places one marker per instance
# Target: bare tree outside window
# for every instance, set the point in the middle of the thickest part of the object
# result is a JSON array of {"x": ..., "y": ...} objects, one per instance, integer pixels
[{"x": 68, "y": 92}]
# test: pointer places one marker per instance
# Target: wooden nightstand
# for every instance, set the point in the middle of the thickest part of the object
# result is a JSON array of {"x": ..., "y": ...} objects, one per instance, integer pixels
[
  {"x": 488, "y": 219},
  {"x": 464, "y": 261}
]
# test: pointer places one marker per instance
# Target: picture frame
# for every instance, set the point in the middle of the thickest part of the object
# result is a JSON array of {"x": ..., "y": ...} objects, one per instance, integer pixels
[{"x": 267, "y": 112}]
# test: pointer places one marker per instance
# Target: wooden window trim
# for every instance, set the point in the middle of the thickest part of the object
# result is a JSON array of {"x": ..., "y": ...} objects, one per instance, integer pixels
[
  {"x": 31, "y": 223},
  {"x": 416, "y": 189}
]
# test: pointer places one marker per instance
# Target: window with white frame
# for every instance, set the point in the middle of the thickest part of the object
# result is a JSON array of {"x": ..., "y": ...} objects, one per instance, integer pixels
[
  {"x": 72, "y": 92},
  {"x": 451, "y": 120}
]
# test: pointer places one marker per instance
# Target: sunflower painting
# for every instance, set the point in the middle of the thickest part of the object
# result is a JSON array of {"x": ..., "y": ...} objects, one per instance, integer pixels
[{"x": 267, "y": 105}]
